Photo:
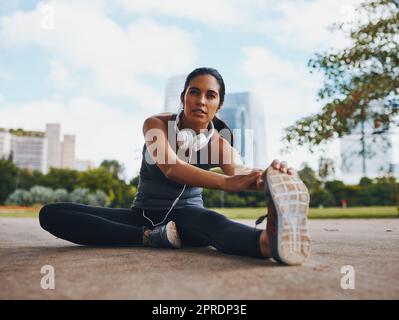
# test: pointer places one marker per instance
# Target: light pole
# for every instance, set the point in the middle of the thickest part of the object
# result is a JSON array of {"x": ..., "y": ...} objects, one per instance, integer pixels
[{"x": 363, "y": 152}]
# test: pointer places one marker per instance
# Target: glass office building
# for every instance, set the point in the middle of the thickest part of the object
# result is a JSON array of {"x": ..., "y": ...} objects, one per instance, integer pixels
[
  {"x": 244, "y": 115},
  {"x": 174, "y": 87}
]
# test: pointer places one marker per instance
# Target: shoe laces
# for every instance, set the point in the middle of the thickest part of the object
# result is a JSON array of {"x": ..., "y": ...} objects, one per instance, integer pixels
[{"x": 260, "y": 220}]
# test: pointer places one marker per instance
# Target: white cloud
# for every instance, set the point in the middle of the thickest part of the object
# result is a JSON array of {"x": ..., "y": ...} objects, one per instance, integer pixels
[
  {"x": 59, "y": 74},
  {"x": 305, "y": 24},
  {"x": 213, "y": 12},
  {"x": 261, "y": 63},
  {"x": 286, "y": 92},
  {"x": 286, "y": 87},
  {"x": 300, "y": 24},
  {"x": 162, "y": 49},
  {"x": 102, "y": 132},
  {"x": 4, "y": 76},
  {"x": 85, "y": 39}
]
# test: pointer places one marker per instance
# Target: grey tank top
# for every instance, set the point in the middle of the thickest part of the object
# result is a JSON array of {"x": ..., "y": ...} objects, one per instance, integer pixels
[{"x": 157, "y": 192}]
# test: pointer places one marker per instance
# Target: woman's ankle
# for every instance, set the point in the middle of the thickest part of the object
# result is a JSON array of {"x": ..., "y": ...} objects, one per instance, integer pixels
[
  {"x": 264, "y": 245},
  {"x": 146, "y": 234}
]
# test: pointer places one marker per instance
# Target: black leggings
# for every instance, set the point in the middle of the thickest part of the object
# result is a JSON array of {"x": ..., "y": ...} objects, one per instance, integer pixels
[{"x": 96, "y": 226}]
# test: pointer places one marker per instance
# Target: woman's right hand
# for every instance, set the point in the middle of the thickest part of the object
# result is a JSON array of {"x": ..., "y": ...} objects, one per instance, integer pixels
[{"x": 239, "y": 183}]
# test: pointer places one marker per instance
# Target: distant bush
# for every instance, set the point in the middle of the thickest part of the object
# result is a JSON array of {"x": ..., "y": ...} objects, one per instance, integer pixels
[
  {"x": 322, "y": 198},
  {"x": 44, "y": 195},
  {"x": 98, "y": 199},
  {"x": 79, "y": 195},
  {"x": 20, "y": 198},
  {"x": 61, "y": 195}
]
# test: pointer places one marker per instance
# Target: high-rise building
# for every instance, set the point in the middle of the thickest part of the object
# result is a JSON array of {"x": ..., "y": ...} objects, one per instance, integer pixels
[
  {"x": 29, "y": 151},
  {"x": 174, "y": 87},
  {"x": 243, "y": 113},
  {"x": 68, "y": 152},
  {"x": 83, "y": 165},
  {"x": 54, "y": 145},
  {"x": 5, "y": 144},
  {"x": 378, "y": 158}
]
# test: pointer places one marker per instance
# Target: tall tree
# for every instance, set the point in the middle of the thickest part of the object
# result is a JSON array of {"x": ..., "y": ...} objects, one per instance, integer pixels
[
  {"x": 8, "y": 174},
  {"x": 326, "y": 168},
  {"x": 309, "y": 177},
  {"x": 361, "y": 81},
  {"x": 116, "y": 168}
]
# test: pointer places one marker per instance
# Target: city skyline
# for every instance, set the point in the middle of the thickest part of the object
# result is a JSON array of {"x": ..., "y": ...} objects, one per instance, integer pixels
[{"x": 40, "y": 150}]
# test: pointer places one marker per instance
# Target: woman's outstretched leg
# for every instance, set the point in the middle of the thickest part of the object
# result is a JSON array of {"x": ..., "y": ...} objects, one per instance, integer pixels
[
  {"x": 215, "y": 229},
  {"x": 87, "y": 225}
]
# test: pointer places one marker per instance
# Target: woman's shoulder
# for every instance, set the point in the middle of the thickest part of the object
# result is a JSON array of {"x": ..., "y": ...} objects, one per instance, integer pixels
[
  {"x": 159, "y": 119},
  {"x": 164, "y": 116}
]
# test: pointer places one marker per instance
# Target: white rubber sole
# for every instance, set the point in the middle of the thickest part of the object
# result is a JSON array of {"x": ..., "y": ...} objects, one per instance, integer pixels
[
  {"x": 291, "y": 199},
  {"x": 173, "y": 236}
]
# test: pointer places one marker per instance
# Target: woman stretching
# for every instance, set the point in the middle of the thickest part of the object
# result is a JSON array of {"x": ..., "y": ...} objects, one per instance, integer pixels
[{"x": 168, "y": 210}]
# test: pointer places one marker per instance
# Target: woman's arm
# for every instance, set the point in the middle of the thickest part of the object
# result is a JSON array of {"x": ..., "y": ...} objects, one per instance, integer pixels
[
  {"x": 231, "y": 164},
  {"x": 160, "y": 151}
]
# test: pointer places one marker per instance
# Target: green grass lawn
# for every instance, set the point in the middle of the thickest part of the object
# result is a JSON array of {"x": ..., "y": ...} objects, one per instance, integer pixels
[
  {"x": 253, "y": 213},
  {"x": 319, "y": 213}
]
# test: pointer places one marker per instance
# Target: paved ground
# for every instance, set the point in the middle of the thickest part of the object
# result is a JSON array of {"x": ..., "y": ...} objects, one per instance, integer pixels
[{"x": 370, "y": 246}]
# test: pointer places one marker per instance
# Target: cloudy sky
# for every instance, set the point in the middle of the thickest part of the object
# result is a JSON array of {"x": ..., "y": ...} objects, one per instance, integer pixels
[{"x": 100, "y": 67}]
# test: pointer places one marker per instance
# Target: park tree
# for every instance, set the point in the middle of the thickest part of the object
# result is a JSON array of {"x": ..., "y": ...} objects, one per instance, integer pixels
[
  {"x": 61, "y": 178},
  {"x": 116, "y": 168},
  {"x": 135, "y": 181},
  {"x": 118, "y": 192},
  {"x": 96, "y": 179},
  {"x": 8, "y": 173},
  {"x": 361, "y": 81},
  {"x": 326, "y": 168},
  {"x": 27, "y": 178},
  {"x": 309, "y": 177}
]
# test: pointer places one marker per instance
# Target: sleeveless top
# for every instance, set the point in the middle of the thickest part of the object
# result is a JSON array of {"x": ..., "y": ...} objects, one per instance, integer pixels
[{"x": 156, "y": 192}]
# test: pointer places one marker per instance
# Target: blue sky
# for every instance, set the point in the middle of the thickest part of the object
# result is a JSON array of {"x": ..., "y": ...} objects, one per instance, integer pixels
[{"x": 100, "y": 67}]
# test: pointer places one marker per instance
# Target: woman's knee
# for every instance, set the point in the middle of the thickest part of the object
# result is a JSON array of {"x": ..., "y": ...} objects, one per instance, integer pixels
[
  {"x": 46, "y": 214},
  {"x": 213, "y": 218}
]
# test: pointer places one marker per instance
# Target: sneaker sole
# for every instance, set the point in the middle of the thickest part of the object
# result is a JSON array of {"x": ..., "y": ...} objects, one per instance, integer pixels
[
  {"x": 173, "y": 236},
  {"x": 291, "y": 199}
]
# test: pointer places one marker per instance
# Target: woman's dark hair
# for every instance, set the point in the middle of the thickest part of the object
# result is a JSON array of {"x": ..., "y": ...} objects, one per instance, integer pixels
[
  {"x": 217, "y": 123},
  {"x": 209, "y": 71}
]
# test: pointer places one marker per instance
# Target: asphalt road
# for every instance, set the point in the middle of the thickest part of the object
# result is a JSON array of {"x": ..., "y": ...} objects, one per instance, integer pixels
[{"x": 369, "y": 246}]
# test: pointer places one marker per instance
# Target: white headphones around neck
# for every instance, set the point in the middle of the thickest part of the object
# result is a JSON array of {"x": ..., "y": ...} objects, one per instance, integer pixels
[{"x": 186, "y": 138}]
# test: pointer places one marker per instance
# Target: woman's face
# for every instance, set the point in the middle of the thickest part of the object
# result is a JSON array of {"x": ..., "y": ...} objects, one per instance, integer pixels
[{"x": 201, "y": 100}]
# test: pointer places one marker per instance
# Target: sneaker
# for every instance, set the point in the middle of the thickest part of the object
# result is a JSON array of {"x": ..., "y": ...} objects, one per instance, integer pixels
[
  {"x": 164, "y": 236},
  {"x": 287, "y": 217}
]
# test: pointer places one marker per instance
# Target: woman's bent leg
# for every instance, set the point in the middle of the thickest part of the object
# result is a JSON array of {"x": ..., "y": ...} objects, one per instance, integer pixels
[{"x": 88, "y": 225}]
